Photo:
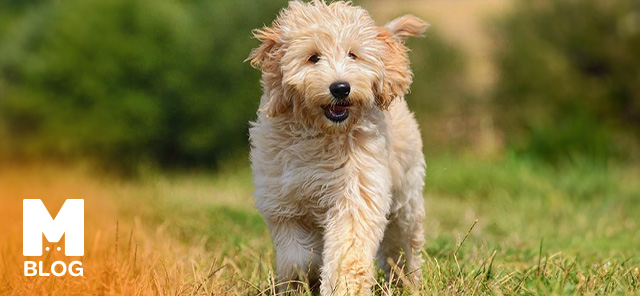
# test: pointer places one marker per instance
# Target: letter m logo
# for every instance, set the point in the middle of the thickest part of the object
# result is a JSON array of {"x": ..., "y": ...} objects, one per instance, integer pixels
[{"x": 37, "y": 221}]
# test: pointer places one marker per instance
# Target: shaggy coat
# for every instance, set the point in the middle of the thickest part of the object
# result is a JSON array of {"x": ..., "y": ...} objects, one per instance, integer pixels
[{"x": 336, "y": 194}]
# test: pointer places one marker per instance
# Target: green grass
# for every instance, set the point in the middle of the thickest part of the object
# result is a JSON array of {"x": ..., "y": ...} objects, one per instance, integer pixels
[{"x": 568, "y": 229}]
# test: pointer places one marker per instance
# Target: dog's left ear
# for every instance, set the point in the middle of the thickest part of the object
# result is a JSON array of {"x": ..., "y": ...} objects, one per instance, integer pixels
[{"x": 397, "y": 77}]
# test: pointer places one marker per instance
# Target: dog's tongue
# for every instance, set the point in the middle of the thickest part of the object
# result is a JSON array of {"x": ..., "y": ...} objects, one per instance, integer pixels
[{"x": 338, "y": 111}]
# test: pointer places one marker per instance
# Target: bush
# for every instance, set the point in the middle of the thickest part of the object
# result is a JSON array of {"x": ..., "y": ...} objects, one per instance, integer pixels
[
  {"x": 569, "y": 82},
  {"x": 130, "y": 81}
]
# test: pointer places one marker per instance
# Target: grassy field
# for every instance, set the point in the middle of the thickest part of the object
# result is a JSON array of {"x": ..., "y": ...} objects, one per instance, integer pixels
[{"x": 505, "y": 226}]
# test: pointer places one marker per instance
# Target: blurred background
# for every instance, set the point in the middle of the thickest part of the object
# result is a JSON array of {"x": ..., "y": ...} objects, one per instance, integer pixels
[
  {"x": 125, "y": 83},
  {"x": 529, "y": 111}
]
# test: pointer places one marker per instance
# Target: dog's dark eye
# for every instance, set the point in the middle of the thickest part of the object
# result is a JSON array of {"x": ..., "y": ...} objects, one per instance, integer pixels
[
  {"x": 314, "y": 58},
  {"x": 353, "y": 55}
]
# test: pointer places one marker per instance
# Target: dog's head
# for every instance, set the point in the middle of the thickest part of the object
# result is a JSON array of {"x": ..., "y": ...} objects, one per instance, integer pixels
[{"x": 327, "y": 63}]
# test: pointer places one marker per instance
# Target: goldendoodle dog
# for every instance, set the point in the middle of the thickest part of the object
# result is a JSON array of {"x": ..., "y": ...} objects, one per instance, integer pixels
[{"x": 336, "y": 154}]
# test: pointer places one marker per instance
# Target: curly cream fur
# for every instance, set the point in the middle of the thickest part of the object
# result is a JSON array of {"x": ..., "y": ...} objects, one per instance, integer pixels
[{"x": 327, "y": 190}]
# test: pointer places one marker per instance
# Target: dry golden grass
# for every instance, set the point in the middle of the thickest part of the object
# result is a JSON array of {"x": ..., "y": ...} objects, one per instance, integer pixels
[{"x": 123, "y": 256}]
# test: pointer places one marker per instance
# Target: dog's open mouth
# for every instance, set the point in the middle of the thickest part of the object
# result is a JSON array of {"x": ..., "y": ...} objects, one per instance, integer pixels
[{"x": 337, "y": 112}]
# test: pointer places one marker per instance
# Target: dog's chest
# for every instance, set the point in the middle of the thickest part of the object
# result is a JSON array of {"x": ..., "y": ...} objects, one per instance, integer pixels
[
  {"x": 306, "y": 175},
  {"x": 315, "y": 167}
]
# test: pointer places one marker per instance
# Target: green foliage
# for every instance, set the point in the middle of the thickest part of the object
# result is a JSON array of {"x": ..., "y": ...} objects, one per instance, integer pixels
[
  {"x": 569, "y": 82},
  {"x": 126, "y": 81}
]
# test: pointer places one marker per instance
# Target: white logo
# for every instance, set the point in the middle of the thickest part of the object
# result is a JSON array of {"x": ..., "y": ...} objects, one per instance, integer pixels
[{"x": 37, "y": 221}]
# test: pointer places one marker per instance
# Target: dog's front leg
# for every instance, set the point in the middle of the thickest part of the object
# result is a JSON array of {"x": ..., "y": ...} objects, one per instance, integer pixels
[
  {"x": 298, "y": 246},
  {"x": 353, "y": 231}
]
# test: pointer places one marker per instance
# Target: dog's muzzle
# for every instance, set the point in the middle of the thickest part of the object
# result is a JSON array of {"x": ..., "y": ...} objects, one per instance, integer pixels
[{"x": 339, "y": 110}]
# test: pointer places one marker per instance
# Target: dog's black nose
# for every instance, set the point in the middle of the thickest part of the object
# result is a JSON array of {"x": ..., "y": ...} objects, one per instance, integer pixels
[{"x": 340, "y": 90}]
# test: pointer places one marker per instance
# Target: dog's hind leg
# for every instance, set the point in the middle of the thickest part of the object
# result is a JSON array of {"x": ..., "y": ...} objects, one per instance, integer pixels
[
  {"x": 401, "y": 248},
  {"x": 404, "y": 237},
  {"x": 390, "y": 253}
]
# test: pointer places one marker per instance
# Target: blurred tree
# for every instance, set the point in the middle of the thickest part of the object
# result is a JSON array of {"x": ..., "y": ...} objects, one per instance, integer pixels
[
  {"x": 125, "y": 81},
  {"x": 570, "y": 80}
]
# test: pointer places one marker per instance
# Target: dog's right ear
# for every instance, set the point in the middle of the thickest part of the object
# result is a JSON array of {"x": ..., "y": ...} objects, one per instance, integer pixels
[
  {"x": 265, "y": 52},
  {"x": 266, "y": 58},
  {"x": 406, "y": 26}
]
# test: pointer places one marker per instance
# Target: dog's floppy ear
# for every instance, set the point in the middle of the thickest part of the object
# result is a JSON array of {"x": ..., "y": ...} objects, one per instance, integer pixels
[
  {"x": 261, "y": 54},
  {"x": 266, "y": 58},
  {"x": 397, "y": 74},
  {"x": 406, "y": 26}
]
